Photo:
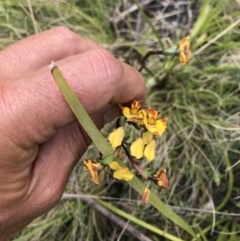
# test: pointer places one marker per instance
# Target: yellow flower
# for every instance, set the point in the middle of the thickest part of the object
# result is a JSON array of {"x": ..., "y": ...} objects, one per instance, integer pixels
[
  {"x": 159, "y": 127},
  {"x": 156, "y": 127},
  {"x": 116, "y": 137},
  {"x": 137, "y": 147},
  {"x": 121, "y": 172},
  {"x": 145, "y": 196},
  {"x": 149, "y": 151},
  {"x": 161, "y": 179},
  {"x": 184, "y": 47},
  {"x": 132, "y": 114},
  {"x": 93, "y": 168}
]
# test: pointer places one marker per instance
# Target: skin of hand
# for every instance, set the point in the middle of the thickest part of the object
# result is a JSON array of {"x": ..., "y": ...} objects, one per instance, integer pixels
[{"x": 40, "y": 140}]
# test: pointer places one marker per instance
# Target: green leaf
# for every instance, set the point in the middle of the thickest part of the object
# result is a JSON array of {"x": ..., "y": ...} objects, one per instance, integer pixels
[
  {"x": 81, "y": 113},
  {"x": 108, "y": 159}
]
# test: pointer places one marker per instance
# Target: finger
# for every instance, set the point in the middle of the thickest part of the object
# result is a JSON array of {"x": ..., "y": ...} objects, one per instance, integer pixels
[
  {"x": 97, "y": 79},
  {"x": 39, "y": 50}
]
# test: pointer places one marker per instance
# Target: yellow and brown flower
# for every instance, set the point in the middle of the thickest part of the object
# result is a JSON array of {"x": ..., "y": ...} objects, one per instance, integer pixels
[
  {"x": 184, "y": 48},
  {"x": 132, "y": 114},
  {"x": 93, "y": 168},
  {"x": 154, "y": 126},
  {"x": 161, "y": 179}
]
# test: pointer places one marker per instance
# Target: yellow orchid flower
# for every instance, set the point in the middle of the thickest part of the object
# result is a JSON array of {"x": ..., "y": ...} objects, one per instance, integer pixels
[
  {"x": 156, "y": 127},
  {"x": 132, "y": 114},
  {"x": 159, "y": 127},
  {"x": 145, "y": 196},
  {"x": 116, "y": 137},
  {"x": 161, "y": 179},
  {"x": 121, "y": 173},
  {"x": 184, "y": 47},
  {"x": 93, "y": 169}
]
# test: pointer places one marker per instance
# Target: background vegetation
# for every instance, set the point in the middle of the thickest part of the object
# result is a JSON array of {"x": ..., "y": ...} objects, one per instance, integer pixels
[{"x": 201, "y": 147}]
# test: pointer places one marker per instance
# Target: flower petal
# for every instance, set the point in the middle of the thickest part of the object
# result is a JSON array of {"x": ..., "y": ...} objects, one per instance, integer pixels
[
  {"x": 95, "y": 179},
  {"x": 149, "y": 151},
  {"x": 137, "y": 147},
  {"x": 126, "y": 111},
  {"x": 161, "y": 178},
  {"x": 184, "y": 47},
  {"x": 124, "y": 174},
  {"x": 93, "y": 169},
  {"x": 159, "y": 127},
  {"x": 145, "y": 196},
  {"x": 114, "y": 165},
  {"x": 182, "y": 58},
  {"x": 121, "y": 172},
  {"x": 135, "y": 106},
  {"x": 147, "y": 137},
  {"x": 116, "y": 137}
]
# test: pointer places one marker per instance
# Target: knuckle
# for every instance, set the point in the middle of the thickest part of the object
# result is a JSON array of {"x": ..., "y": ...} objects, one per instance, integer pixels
[
  {"x": 62, "y": 30},
  {"x": 63, "y": 33}
]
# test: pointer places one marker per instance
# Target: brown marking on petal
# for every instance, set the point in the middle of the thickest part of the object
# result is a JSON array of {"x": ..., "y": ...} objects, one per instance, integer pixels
[
  {"x": 136, "y": 120},
  {"x": 164, "y": 120},
  {"x": 135, "y": 106},
  {"x": 151, "y": 111},
  {"x": 151, "y": 115}
]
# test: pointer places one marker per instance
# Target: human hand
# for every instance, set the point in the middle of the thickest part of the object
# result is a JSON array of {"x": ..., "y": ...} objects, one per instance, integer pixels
[{"x": 40, "y": 140}]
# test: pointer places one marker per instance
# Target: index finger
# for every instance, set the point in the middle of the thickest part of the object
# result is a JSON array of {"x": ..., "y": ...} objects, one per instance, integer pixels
[
  {"x": 40, "y": 49},
  {"x": 97, "y": 78}
]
